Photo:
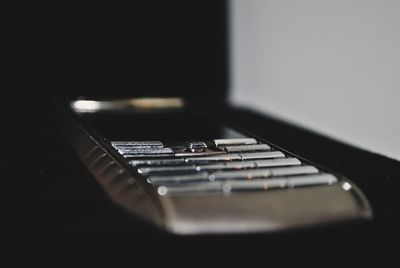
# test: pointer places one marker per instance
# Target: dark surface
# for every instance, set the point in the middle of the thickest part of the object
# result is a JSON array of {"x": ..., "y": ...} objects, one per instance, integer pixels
[
  {"x": 54, "y": 209},
  {"x": 148, "y": 48}
]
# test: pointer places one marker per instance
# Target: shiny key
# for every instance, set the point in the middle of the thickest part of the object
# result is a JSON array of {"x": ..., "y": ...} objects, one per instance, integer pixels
[
  {"x": 196, "y": 146},
  {"x": 239, "y": 141},
  {"x": 277, "y": 162},
  {"x": 198, "y": 154},
  {"x": 158, "y": 162},
  {"x": 138, "y": 144},
  {"x": 311, "y": 180},
  {"x": 145, "y": 151},
  {"x": 261, "y": 155},
  {"x": 167, "y": 169},
  {"x": 173, "y": 179},
  {"x": 213, "y": 158},
  {"x": 263, "y": 173},
  {"x": 247, "y": 148},
  {"x": 293, "y": 171}
]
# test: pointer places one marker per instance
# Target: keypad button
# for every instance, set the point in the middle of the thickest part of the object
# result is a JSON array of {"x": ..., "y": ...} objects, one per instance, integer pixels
[
  {"x": 277, "y": 162},
  {"x": 145, "y": 151},
  {"x": 196, "y": 154},
  {"x": 245, "y": 141},
  {"x": 173, "y": 179},
  {"x": 261, "y": 155},
  {"x": 137, "y": 144},
  {"x": 213, "y": 158},
  {"x": 166, "y": 169},
  {"x": 247, "y": 148}
]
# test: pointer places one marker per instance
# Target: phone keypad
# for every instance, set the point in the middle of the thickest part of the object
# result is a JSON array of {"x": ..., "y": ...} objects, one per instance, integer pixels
[{"x": 218, "y": 166}]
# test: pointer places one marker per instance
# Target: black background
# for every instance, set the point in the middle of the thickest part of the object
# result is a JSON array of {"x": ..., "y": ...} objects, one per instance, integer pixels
[{"x": 147, "y": 48}]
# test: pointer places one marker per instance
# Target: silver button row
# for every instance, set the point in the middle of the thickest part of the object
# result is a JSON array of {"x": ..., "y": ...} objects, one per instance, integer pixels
[
  {"x": 135, "y": 149},
  {"x": 132, "y": 152},
  {"x": 232, "y": 175},
  {"x": 206, "y": 159},
  {"x": 219, "y": 166},
  {"x": 249, "y": 185}
]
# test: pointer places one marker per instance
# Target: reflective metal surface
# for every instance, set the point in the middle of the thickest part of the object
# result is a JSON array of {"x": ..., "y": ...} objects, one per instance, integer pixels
[
  {"x": 251, "y": 185},
  {"x": 144, "y": 151},
  {"x": 235, "y": 141},
  {"x": 262, "y": 155},
  {"x": 247, "y": 148},
  {"x": 135, "y": 104},
  {"x": 222, "y": 184},
  {"x": 158, "y": 161},
  {"x": 196, "y": 147},
  {"x": 137, "y": 144},
  {"x": 166, "y": 179}
]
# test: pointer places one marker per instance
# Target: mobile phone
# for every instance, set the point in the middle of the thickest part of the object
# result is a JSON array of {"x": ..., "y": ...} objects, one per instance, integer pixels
[{"x": 189, "y": 173}]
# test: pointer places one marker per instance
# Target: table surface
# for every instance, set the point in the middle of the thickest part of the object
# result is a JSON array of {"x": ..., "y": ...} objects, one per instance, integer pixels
[{"x": 56, "y": 210}]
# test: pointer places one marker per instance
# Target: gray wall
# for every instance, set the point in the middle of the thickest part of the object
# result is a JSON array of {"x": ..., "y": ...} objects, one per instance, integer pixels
[{"x": 332, "y": 66}]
